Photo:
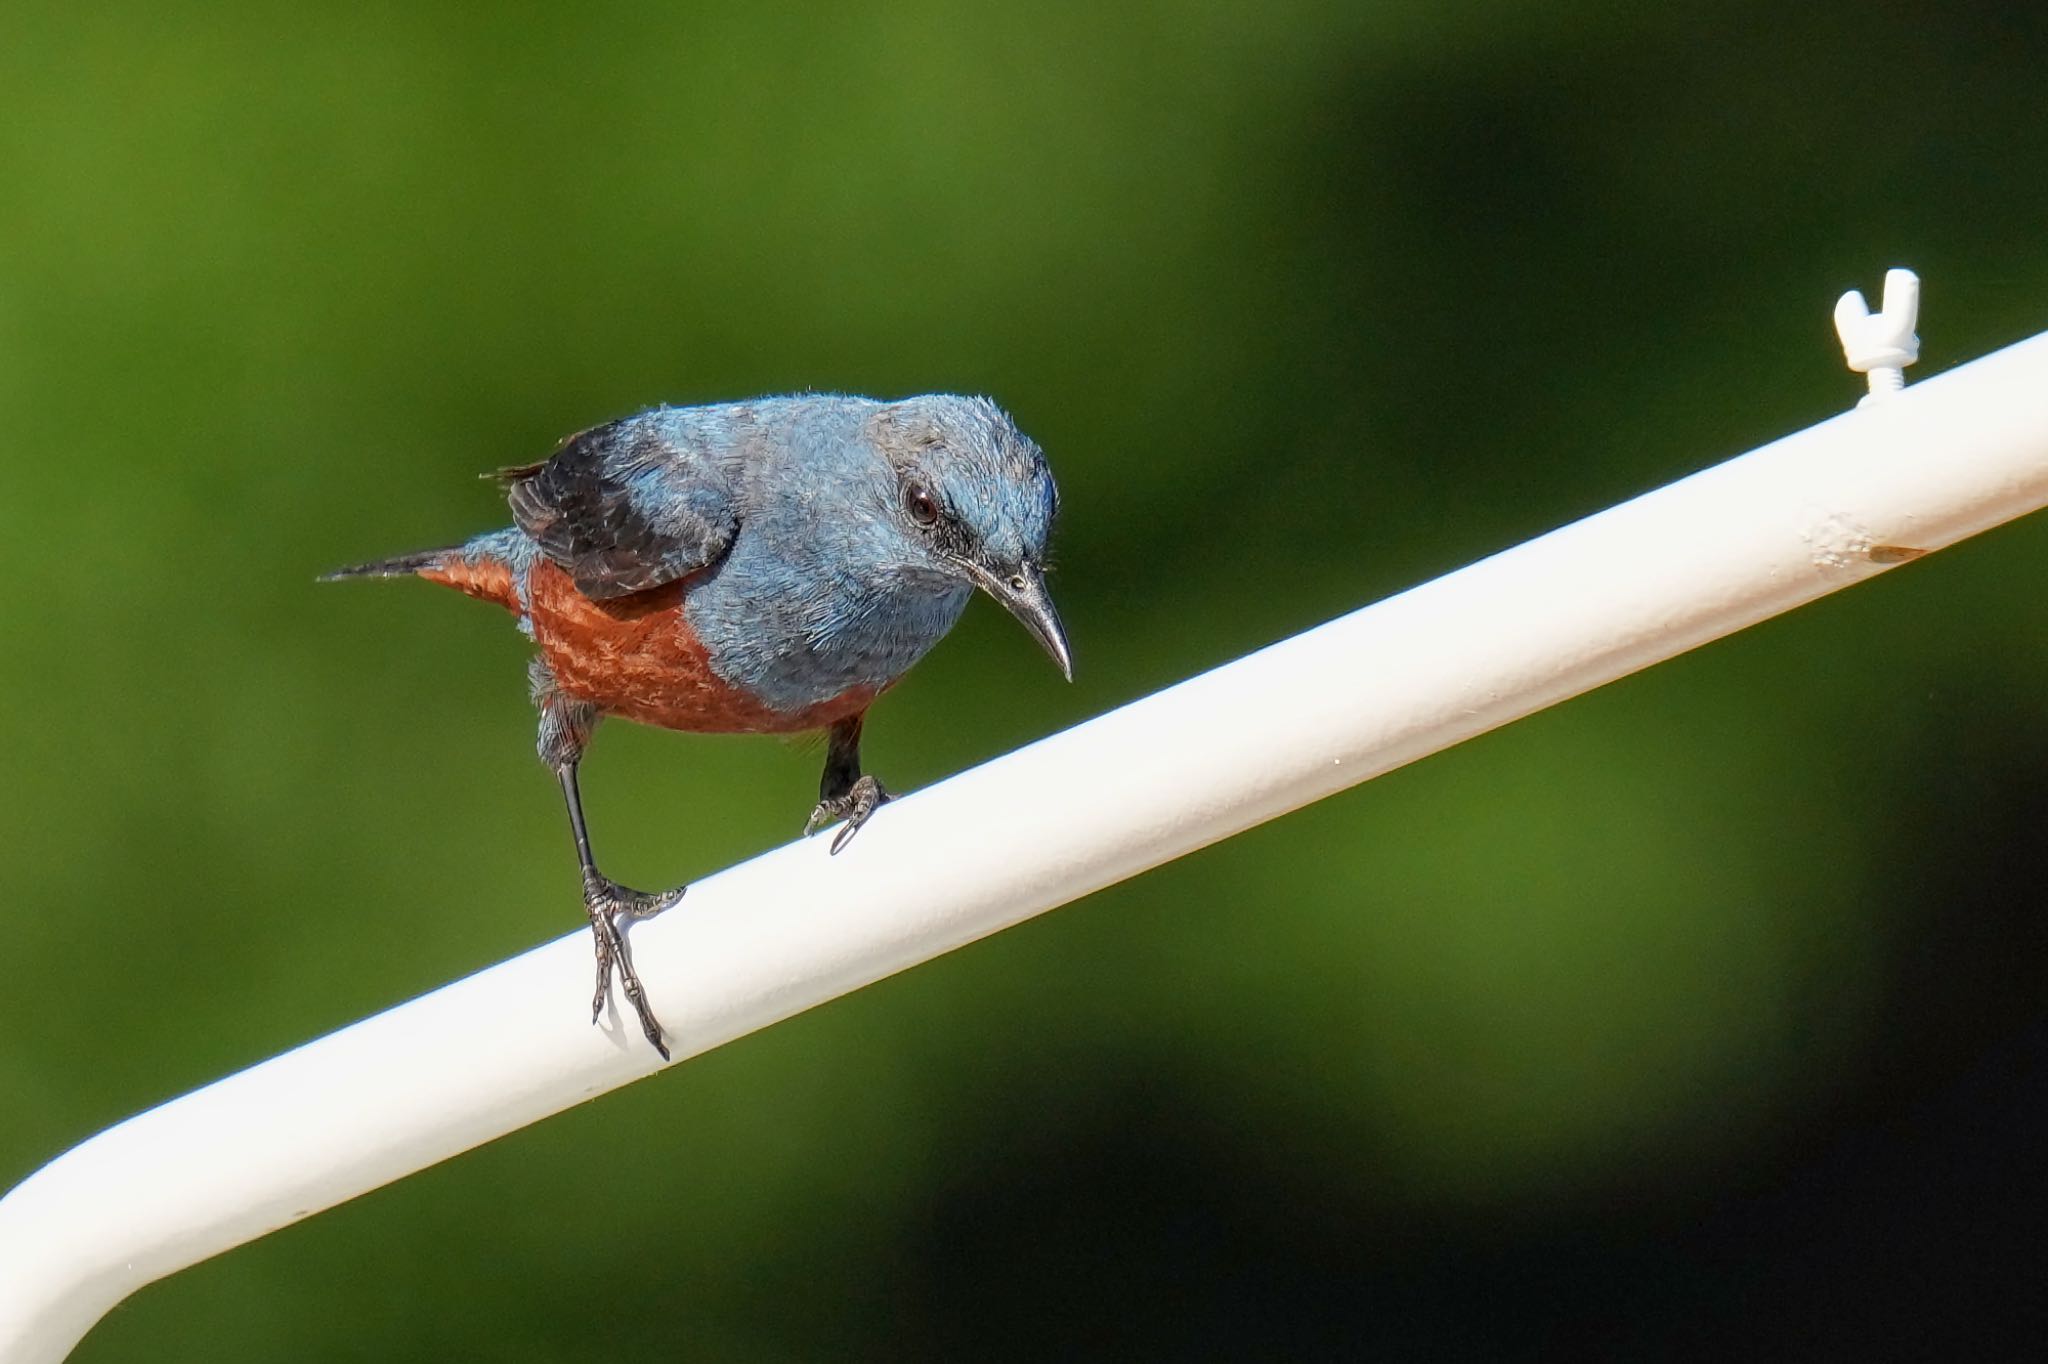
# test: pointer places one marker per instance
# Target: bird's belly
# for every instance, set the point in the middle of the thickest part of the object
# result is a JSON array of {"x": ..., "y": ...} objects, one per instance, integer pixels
[{"x": 638, "y": 658}]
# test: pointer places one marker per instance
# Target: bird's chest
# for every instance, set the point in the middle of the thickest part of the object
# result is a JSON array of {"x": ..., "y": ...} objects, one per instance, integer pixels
[
  {"x": 744, "y": 647},
  {"x": 800, "y": 641},
  {"x": 637, "y": 657}
]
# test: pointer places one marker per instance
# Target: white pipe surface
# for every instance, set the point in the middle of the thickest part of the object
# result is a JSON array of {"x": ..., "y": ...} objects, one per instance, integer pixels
[{"x": 1159, "y": 778}]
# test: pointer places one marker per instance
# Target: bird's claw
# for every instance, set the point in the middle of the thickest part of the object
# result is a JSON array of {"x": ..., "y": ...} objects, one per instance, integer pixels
[
  {"x": 855, "y": 806},
  {"x": 607, "y": 902}
]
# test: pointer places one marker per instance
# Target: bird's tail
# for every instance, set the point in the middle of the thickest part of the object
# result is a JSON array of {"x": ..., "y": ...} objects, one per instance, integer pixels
[
  {"x": 398, "y": 566},
  {"x": 476, "y": 569}
]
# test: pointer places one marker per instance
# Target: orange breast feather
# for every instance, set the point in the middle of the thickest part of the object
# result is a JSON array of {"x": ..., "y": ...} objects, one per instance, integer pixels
[{"x": 635, "y": 657}]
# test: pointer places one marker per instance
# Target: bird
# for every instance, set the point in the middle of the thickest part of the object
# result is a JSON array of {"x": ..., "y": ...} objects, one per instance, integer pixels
[{"x": 769, "y": 566}]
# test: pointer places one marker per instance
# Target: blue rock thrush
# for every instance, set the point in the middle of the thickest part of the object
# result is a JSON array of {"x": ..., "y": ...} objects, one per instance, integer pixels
[{"x": 758, "y": 567}]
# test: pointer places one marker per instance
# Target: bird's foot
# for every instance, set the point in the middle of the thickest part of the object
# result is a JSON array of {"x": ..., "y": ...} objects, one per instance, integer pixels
[
  {"x": 860, "y": 801},
  {"x": 607, "y": 903}
]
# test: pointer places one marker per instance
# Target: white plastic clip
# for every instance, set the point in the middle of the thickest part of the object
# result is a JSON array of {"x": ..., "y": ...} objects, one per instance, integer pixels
[{"x": 1882, "y": 345}]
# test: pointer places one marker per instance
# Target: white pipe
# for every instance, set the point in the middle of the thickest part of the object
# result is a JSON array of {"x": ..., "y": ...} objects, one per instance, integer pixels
[{"x": 1312, "y": 715}]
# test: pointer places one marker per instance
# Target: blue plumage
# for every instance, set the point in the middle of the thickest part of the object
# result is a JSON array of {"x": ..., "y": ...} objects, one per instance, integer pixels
[
  {"x": 835, "y": 588},
  {"x": 765, "y": 565}
]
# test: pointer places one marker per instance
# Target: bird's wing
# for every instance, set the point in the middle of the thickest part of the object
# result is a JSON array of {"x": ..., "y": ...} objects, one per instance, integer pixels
[{"x": 623, "y": 507}]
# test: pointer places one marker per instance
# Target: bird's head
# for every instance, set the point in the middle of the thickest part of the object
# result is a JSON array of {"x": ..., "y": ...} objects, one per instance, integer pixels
[{"x": 974, "y": 499}]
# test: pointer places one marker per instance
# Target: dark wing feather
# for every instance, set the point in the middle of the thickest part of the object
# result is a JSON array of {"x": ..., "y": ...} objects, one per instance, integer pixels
[{"x": 623, "y": 508}]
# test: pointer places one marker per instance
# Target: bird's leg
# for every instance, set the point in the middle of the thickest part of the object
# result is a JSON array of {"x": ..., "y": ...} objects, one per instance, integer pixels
[
  {"x": 844, "y": 793},
  {"x": 606, "y": 902},
  {"x": 565, "y": 729}
]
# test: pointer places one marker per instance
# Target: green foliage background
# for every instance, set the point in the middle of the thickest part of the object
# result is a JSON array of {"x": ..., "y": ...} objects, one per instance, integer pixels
[{"x": 1699, "y": 1013}]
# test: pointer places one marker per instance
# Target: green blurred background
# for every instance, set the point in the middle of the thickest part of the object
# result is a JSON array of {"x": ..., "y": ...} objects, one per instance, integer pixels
[{"x": 1699, "y": 1015}]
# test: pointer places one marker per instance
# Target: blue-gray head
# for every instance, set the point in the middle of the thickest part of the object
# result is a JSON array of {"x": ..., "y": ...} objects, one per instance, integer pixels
[{"x": 975, "y": 501}]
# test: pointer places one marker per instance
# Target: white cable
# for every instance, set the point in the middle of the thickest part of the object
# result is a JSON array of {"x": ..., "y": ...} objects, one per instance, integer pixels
[{"x": 1594, "y": 601}]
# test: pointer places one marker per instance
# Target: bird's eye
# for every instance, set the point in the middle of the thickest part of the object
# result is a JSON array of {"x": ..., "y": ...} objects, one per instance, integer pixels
[{"x": 922, "y": 506}]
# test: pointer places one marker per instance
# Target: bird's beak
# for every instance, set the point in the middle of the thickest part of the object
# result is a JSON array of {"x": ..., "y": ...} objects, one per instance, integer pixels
[{"x": 1022, "y": 593}]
